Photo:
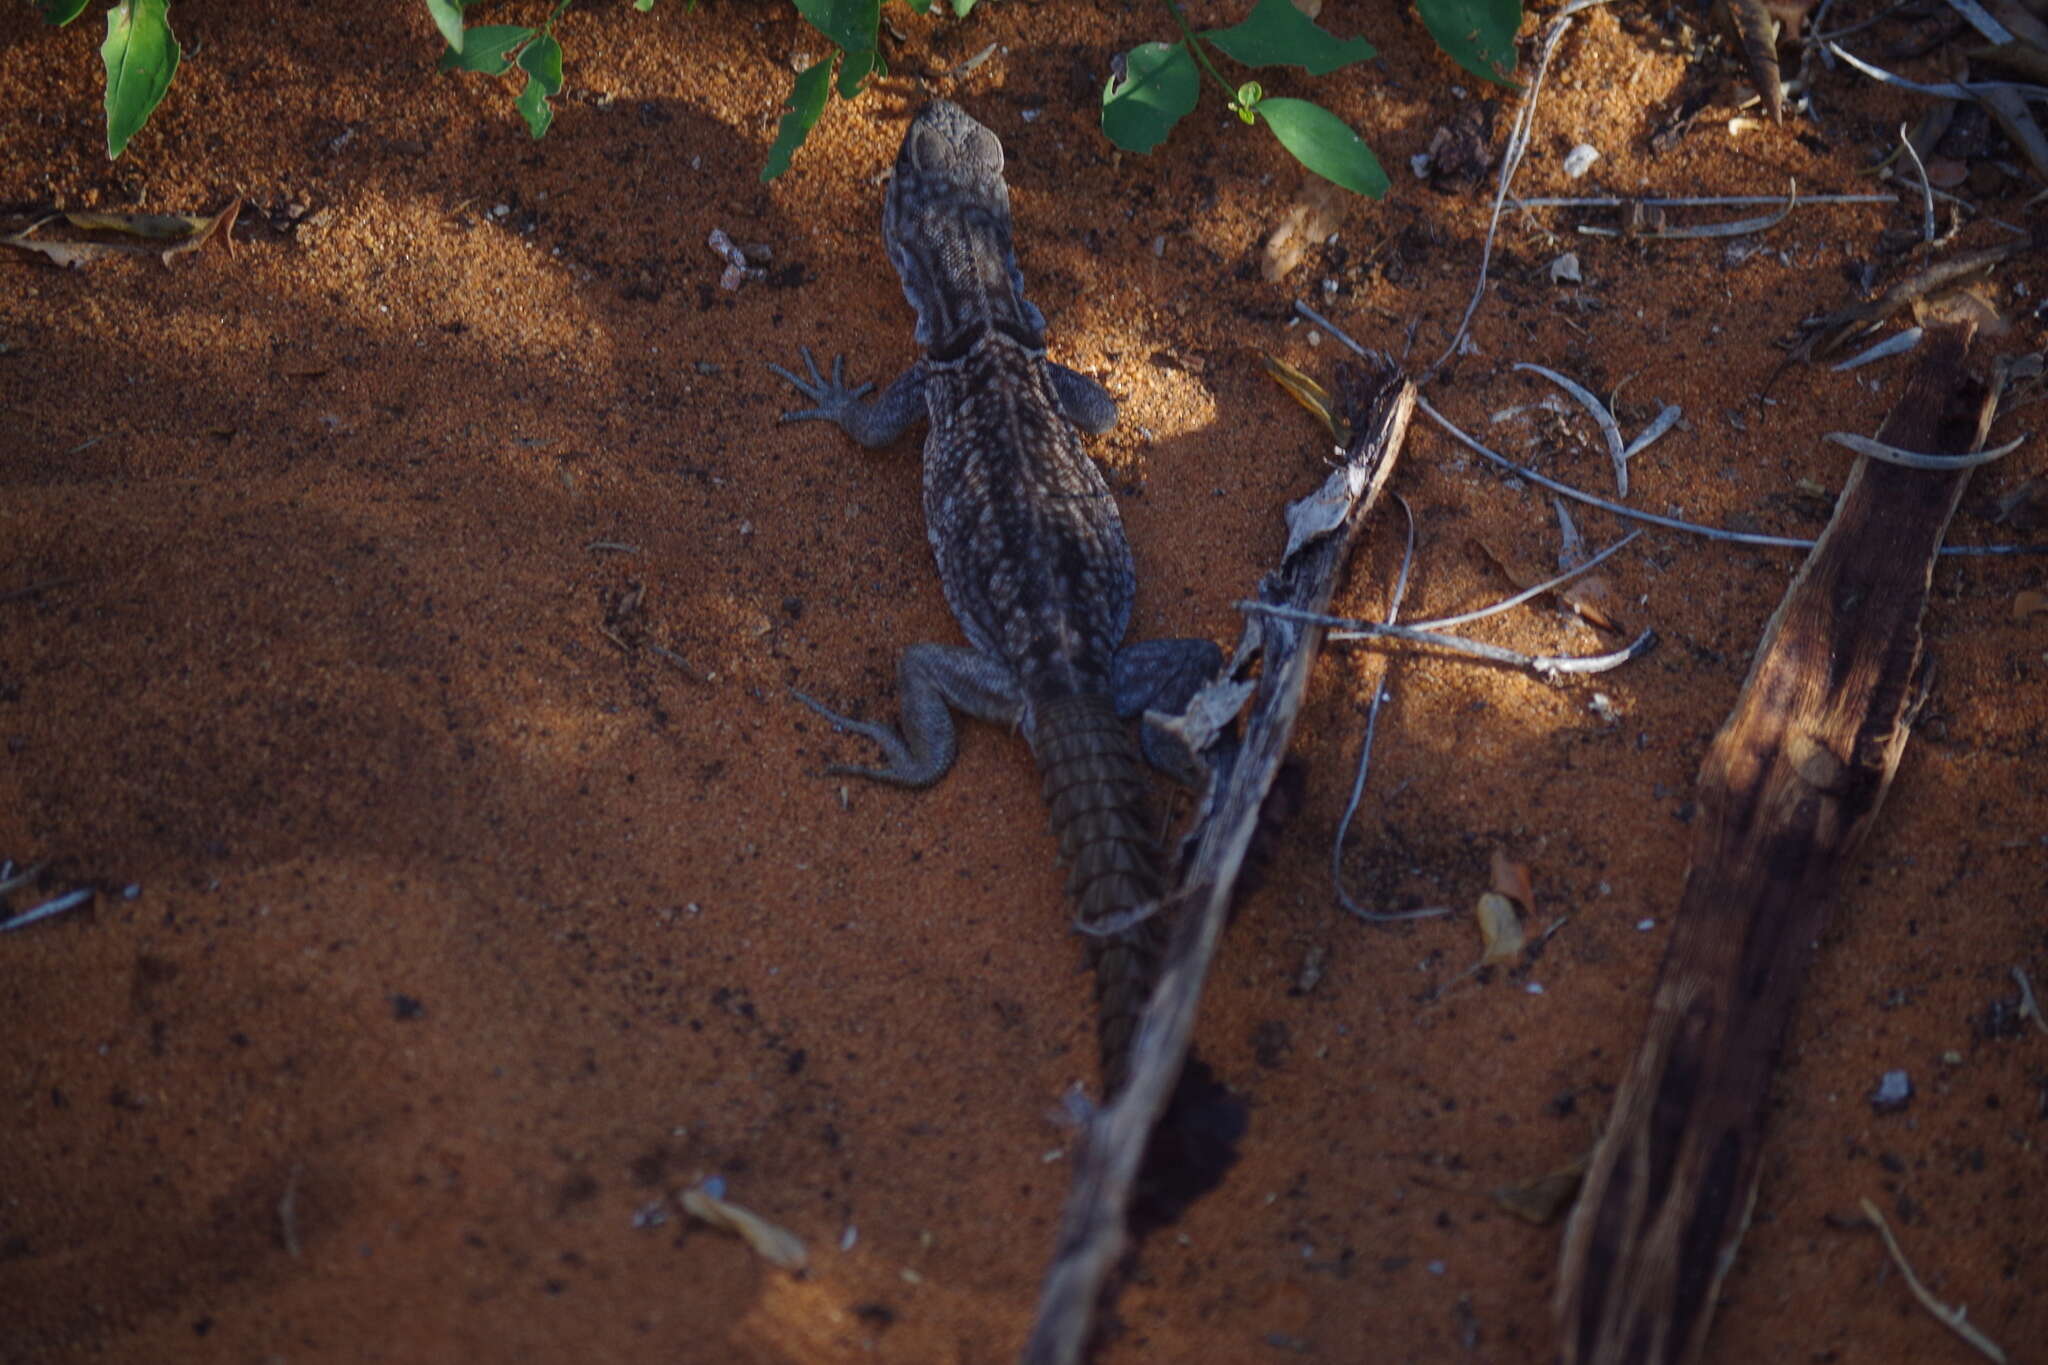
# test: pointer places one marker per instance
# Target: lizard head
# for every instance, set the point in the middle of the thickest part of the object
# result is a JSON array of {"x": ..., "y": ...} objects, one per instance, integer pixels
[{"x": 947, "y": 225}]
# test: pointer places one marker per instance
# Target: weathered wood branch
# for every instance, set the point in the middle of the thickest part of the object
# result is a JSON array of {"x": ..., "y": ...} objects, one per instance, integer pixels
[
  {"x": 1788, "y": 789},
  {"x": 1322, "y": 529}
]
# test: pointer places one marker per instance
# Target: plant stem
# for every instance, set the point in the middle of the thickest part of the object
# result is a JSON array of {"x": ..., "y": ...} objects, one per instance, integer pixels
[{"x": 1195, "y": 49}]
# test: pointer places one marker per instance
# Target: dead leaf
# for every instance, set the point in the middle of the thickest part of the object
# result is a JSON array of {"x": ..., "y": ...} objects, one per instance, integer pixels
[
  {"x": 194, "y": 231},
  {"x": 1309, "y": 394},
  {"x": 1962, "y": 306},
  {"x": 1545, "y": 1198},
  {"x": 161, "y": 226},
  {"x": 1945, "y": 173},
  {"x": 65, "y": 253},
  {"x": 1501, "y": 928},
  {"x": 2030, "y": 603},
  {"x": 1592, "y": 598},
  {"x": 776, "y": 1245},
  {"x": 222, "y": 222},
  {"x": 1511, "y": 879},
  {"x": 1306, "y": 225}
]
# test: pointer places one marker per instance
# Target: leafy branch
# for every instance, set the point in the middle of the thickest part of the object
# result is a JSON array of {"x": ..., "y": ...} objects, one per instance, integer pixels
[{"x": 1157, "y": 84}]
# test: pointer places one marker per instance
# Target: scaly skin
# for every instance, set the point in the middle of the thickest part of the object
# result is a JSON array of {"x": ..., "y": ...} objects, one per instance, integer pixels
[{"x": 1029, "y": 547}]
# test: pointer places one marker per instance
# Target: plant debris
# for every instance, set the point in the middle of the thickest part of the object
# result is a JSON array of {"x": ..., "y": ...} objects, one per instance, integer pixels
[
  {"x": 776, "y": 1245},
  {"x": 1955, "y": 1319}
]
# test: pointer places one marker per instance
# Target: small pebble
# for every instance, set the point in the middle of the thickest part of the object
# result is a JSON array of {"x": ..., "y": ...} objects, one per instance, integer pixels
[
  {"x": 1646, "y": 925},
  {"x": 1580, "y": 159},
  {"x": 1894, "y": 1091}
]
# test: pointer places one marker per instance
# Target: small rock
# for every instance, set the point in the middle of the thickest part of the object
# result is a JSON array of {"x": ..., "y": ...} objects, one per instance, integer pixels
[
  {"x": 1894, "y": 1092},
  {"x": 1565, "y": 269},
  {"x": 1580, "y": 159}
]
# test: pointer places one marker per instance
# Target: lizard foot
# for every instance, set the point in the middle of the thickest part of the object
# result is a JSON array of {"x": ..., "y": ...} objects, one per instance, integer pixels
[
  {"x": 893, "y": 747},
  {"x": 833, "y": 398}
]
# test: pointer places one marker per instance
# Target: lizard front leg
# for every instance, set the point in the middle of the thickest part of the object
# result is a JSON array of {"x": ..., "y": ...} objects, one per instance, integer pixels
[
  {"x": 873, "y": 424},
  {"x": 934, "y": 681},
  {"x": 1083, "y": 402}
]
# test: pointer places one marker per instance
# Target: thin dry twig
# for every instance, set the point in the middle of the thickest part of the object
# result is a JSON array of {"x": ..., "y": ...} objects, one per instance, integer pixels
[
  {"x": 1593, "y": 500},
  {"x": 1609, "y": 201},
  {"x": 1659, "y": 424},
  {"x": 1952, "y": 1318},
  {"x": 2028, "y": 1004},
  {"x": 1510, "y": 162},
  {"x": 1673, "y": 523},
  {"x": 1898, "y": 343},
  {"x": 1913, "y": 459},
  {"x": 69, "y": 901},
  {"x": 1380, "y": 695},
  {"x": 1955, "y": 90},
  {"x": 1548, "y": 665},
  {"x": 1739, "y": 227},
  {"x": 1926, "y": 186},
  {"x": 10, "y": 880},
  {"x": 674, "y": 659},
  {"x": 1547, "y": 585},
  {"x": 1609, "y": 430}
]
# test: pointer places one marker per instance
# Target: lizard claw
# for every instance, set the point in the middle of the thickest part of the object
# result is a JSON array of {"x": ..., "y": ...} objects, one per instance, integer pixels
[{"x": 831, "y": 395}]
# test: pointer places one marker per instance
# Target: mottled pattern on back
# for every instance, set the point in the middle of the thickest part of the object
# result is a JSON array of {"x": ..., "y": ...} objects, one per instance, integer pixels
[{"x": 1030, "y": 547}]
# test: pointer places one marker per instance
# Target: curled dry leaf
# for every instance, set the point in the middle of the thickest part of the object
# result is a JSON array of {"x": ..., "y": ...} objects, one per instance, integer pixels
[
  {"x": 185, "y": 231},
  {"x": 158, "y": 226},
  {"x": 1511, "y": 879},
  {"x": 1306, "y": 225},
  {"x": 1591, "y": 597},
  {"x": 1544, "y": 1199},
  {"x": 777, "y": 1245},
  {"x": 1501, "y": 928}
]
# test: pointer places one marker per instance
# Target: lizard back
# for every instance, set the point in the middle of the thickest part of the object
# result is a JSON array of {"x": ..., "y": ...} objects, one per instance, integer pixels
[{"x": 1028, "y": 541}]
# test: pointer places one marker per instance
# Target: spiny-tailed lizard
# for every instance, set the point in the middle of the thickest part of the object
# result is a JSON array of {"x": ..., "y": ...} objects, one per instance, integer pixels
[{"x": 1031, "y": 554}]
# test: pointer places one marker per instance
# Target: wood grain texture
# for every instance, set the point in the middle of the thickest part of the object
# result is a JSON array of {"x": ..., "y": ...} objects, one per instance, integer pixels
[{"x": 1788, "y": 789}]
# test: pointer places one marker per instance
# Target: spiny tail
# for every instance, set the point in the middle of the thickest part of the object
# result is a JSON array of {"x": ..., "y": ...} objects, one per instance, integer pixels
[{"x": 1095, "y": 789}]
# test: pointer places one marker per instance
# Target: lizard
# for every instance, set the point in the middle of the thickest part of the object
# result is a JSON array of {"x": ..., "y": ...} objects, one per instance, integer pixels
[{"x": 1031, "y": 555}]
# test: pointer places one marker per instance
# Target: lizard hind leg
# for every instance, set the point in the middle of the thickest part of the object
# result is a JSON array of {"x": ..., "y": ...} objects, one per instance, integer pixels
[
  {"x": 933, "y": 681},
  {"x": 1163, "y": 676}
]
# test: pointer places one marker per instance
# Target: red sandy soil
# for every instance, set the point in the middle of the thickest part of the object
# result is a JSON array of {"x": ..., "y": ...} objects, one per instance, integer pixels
[{"x": 462, "y": 935}]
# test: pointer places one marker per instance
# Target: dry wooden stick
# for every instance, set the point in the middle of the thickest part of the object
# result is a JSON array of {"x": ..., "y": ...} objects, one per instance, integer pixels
[
  {"x": 1788, "y": 789},
  {"x": 1322, "y": 528}
]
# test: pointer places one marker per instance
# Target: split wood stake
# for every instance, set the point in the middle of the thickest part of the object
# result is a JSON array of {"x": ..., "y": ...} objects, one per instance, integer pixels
[{"x": 1789, "y": 787}]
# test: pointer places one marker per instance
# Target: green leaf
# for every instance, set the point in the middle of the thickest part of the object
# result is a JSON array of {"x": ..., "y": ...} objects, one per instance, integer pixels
[
  {"x": 961, "y": 7},
  {"x": 854, "y": 71},
  {"x": 541, "y": 60},
  {"x": 448, "y": 18},
  {"x": 1158, "y": 89},
  {"x": 643, "y": 5},
  {"x": 141, "y": 57},
  {"x": 1479, "y": 34},
  {"x": 849, "y": 23},
  {"x": 806, "y": 102},
  {"x": 1278, "y": 34},
  {"x": 920, "y": 6},
  {"x": 1321, "y": 141},
  {"x": 487, "y": 49},
  {"x": 61, "y": 12}
]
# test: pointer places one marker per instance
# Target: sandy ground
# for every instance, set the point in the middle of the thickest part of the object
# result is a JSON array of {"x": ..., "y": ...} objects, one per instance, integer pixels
[{"x": 447, "y": 927}]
